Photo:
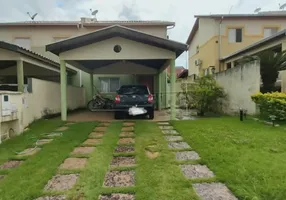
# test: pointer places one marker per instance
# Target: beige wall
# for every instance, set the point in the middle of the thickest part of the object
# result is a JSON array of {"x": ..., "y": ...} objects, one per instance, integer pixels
[{"x": 239, "y": 84}]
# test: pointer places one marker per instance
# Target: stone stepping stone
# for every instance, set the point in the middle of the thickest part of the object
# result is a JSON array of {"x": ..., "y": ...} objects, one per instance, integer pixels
[
  {"x": 117, "y": 197},
  {"x": 129, "y": 124},
  {"x": 61, "y": 182},
  {"x": 170, "y": 132},
  {"x": 63, "y": 128},
  {"x": 29, "y": 152},
  {"x": 2, "y": 177},
  {"x": 166, "y": 127},
  {"x": 173, "y": 138},
  {"x": 123, "y": 161},
  {"x": 104, "y": 124},
  {"x": 83, "y": 150},
  {"x": 43, "y": 142},
  {"x": 92, "y": 142},
  {"x": 119, "y": 179},
  {"x": 126, "y": 134},
  {"x": 100, "y": 129},
  {"x": 187, "y": 155},
  {"x": 126, "y": 141},
  {"x": 210, "y": 191},
  {"x": 126, "y": 129},
  {"x": 163, "y": 123},
  {"x": 124, "y": 149},
  {"x": 70, "y": 123},
  {"x": 11, "y": 164},
  {"x": 96, "y": 135},
  {"x": 73, "y": 163},
  {"x": 52, "y": 135},
  {"x": 196, "y": 171},
  {"x": 61, "y": 197},
  {"x": 178, "y": 145}
]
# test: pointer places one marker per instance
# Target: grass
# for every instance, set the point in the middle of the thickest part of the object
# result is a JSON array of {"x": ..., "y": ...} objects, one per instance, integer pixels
[
  {"x": 248, "y": 156},
  {"x": 28, "y": 180}
]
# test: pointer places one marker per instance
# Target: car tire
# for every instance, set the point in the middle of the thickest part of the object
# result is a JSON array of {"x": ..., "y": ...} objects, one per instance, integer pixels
[
  {"x": 117, "y": 115},
  {"x": 151, "y": 113}
]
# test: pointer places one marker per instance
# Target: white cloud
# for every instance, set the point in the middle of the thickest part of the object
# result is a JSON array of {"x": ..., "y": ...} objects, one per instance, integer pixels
[{"x": 180, "y": 11}]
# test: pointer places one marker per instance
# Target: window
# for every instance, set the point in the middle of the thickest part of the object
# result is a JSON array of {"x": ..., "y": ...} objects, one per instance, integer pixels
[
  {"x": 228, "y": 66},
  {"x": 235, "y": 35},
  {"x": 109, "y": 84},
  {"x": 23, "y": 42},
  {"x": 270, "y": 31}
]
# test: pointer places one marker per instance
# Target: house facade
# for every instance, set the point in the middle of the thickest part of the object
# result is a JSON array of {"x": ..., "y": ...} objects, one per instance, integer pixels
[
  {"x": 35, "y": 36},
  {"x": 214, "y": 37}
]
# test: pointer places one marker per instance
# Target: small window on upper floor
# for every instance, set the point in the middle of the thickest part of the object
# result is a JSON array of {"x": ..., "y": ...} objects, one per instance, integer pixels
[
  {"x": 270, "y": 31},
  {"x": 23, "y": 42},
  {"x": 228, "y": 66},
  {"x": 235, "y": 35}
]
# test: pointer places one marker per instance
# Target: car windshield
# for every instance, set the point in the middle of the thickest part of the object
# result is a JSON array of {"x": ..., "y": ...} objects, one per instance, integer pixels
[{"x": 139, "y": 90}]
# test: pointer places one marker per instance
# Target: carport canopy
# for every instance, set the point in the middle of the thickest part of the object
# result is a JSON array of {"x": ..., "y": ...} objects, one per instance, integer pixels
[{"x": 118, "y": 50}]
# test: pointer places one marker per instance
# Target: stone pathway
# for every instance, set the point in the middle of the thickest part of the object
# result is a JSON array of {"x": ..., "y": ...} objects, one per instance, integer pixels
[
  {"x": 205, "y": 191},
  {"x": 116, "y": 178}
]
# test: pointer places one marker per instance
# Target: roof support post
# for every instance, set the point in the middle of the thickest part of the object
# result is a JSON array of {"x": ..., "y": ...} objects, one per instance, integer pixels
[
  {"x": 284, "y": 45},
  {"x": 91, "y": 85},
  {"x": 159, "y": 76},
  {"x": 20, "y": 75},
  {"x": 63, "y": 90},
  {"x": 173, "y": 89}
]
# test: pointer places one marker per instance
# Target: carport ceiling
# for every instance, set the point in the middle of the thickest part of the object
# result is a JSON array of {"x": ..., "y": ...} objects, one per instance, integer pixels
[
  {"x": 6, "y": 64},
  {"x": 95, "y": 64}
]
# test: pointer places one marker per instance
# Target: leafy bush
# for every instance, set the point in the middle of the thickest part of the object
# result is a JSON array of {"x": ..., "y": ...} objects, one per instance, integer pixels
[
  {"x": 271, "y": 104},
  {"x": 204, "y": 94}
]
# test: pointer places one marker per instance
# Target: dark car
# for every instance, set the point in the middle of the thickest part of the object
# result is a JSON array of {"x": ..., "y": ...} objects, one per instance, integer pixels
[{"x": 133, "y": 95}]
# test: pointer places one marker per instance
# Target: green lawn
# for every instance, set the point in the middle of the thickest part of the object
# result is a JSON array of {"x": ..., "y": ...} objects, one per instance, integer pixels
[{"x": 248, "y": 156}]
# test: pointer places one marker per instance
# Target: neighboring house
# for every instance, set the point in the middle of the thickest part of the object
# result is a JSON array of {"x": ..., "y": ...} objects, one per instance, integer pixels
[
  {"x": 214, "y": 37},
  {"x": 35, "y": 35},
  {"x": 179, "y": 70}
]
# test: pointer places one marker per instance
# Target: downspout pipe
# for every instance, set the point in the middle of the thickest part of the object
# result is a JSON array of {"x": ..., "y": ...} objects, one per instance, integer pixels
[{"x": 219, "y": 40}]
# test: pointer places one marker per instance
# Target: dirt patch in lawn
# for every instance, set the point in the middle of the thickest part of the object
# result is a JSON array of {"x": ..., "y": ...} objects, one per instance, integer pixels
[
  {"x": 119, "y": 179},
  {"x": 126, "y": 134},
  {"x": 213, "y": 191},
  {"x": 11, "y": 164},
  {"x": 92, "y": 142},
  {"x": 151, "y": 155},
  {"x": 126, "y": 141},
  {"x": 96, "y": 135},
  {"x": 196, "y": 171},
  {"x": 187, "y": 155},
  {"x": 117, "y": 197},
  {"x": 123, "y": 161},
  {"x": 83, "y": 150},
  {"x": 73, "y": 163},
  {"x": 101, "y": 128},
  {"x": 173, "y": 138},
  {"x": 124, "y": 149},
  {"x": 126, "y": 129},
  {"x": 2, "y": 177},
  {"x": 128, "y": 124},
  {"x": 178, "y": 145},
  {"x": 61, "y": 197},
  {"x": 170, "y": 132},
  {"x": 43, "y": 141},
  {"x": 29, "y": 152},
  {"x": 61, "y": 182},
  {"x": 63, "y": 128}
]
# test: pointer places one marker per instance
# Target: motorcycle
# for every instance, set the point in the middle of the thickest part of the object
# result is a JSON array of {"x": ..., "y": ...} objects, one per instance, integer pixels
[{"x": 99, "y": 102}]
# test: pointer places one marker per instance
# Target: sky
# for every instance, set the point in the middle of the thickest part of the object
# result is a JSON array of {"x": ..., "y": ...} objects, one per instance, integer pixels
[{"x": 179, "y": 11}]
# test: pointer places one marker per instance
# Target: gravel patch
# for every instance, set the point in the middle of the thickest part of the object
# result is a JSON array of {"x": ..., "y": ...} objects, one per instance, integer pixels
[
  {"x": 170, "y": 132},
  {"x": 11, "y": 164},
  {"x": 196, "y": 171},
  {"x": 178, "y": 145},
  {"x": 124, "y": 149},
  {"x": 61, "y": 182},
  {"x": 166, "y": 127},
  {"x": 117, "y": 197},
  {"x": 96, "y": 135},
  {"x": 126, "y": 129},
  {"x": 123, "y": 161},
  {"x": 126, "y": 141},
  {"x": 43, "y": 141},
  {"x": 173, "y": 138},
  {"x": 100, "y": 128},
  {"x": 126, "y": 134},
  {"x": 73, "y": 163},
  {"x": 29, "y": 152},
  {"x": 213, "y": 191},
  {"x": 120, "y": 179},
  {"x": 62, "y": 197},
  {"x": 187, "y": 155},
  {"x": 63, "y": 128},
  {"x": 92, "y": 142},
  {"x": 83, "y": 150}
]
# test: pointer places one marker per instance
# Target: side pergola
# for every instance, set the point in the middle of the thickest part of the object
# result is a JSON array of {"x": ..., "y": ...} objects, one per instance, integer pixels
[{"x": 118, "y": 50}]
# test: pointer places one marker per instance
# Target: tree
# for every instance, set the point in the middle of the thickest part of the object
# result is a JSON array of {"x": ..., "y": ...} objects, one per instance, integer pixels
[
  {"x": 271, "y": 63},
  {"x": 204, "y": 94}
]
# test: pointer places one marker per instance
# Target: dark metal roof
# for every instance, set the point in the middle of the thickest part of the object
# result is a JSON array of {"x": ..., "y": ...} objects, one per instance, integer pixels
[
  {"x": 31, "y": 54},
  {"x": 258, "y": 44},
  {"x": 116, "y": 31}
]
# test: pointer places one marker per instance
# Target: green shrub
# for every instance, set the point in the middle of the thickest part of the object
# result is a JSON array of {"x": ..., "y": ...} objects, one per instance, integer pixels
[{"x": 271, "y": 104}]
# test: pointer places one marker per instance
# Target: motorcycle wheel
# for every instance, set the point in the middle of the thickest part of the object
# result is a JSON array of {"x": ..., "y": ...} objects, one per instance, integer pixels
[{"x": 93, "y": 105}]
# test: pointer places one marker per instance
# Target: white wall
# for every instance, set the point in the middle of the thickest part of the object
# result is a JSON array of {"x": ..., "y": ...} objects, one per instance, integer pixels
[{"x": 240, "y": 83}]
